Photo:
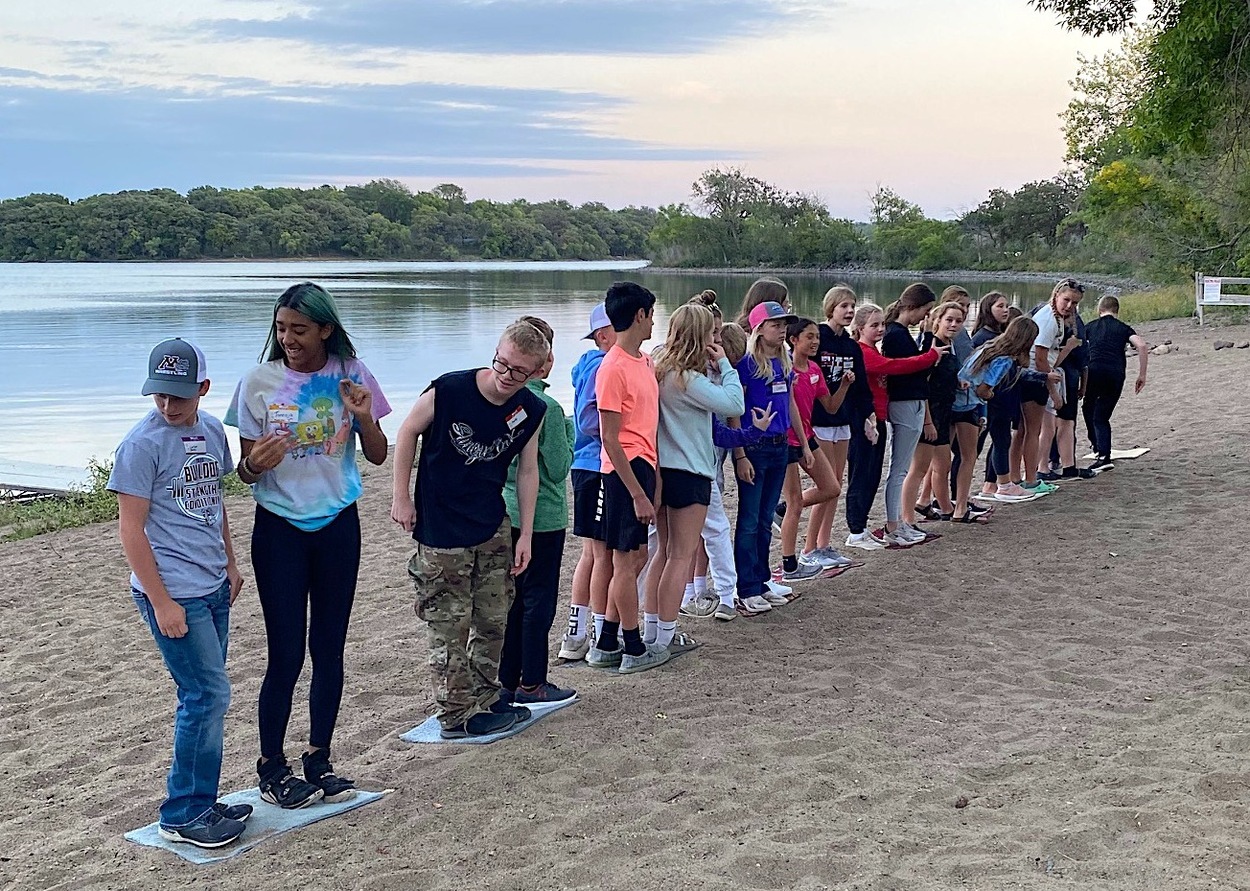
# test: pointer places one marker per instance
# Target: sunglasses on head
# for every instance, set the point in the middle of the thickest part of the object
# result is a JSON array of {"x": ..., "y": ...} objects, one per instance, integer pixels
[{"x": 1071, "y": 284}]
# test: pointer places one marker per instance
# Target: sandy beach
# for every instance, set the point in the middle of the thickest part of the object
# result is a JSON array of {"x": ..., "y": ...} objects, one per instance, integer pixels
[{"x": 1077, "y": 671}]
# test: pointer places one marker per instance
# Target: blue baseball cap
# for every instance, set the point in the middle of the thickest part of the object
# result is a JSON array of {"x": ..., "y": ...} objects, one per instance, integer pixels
[{"x": 598, "y": 319}]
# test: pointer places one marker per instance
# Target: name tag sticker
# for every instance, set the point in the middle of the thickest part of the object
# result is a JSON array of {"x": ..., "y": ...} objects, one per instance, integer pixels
[
  {"x": 517, "y": 418},
  {"x": 814, "y": 378},
  {"x": 194, "y": 445},
  {"x": 281, "y": 417},
  {"x": 780, "y": 387}
]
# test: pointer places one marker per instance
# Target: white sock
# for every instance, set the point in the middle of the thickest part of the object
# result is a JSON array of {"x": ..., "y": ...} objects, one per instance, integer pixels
[
  {"x": 727, "y": 597},
  {"x": 577, "y": 621},
  {"x": 700, "y": 585},
  {"x": 599, "y": 619},
  {"x": 664, "y": 633},
  {"x": 689, "y": 594},
  {"x": 649, "y": 623}
]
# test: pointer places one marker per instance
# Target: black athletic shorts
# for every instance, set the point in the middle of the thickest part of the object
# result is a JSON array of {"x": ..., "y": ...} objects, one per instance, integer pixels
[
  {"x": 681, "y": 488},
  {"x": 588, "y": 504},
  {"x": 1033, "y": 391},
  {"x": 1072, "y": 383},
  {"x": 972, "y": 417},
  {"x": 621, "y": 529},
  {"x": 794, "y": 454},
  {"x": 941, "y": 417}
]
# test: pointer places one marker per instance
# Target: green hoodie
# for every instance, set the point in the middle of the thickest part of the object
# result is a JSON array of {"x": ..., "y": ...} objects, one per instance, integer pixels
[{"x": 555, "y": 457}]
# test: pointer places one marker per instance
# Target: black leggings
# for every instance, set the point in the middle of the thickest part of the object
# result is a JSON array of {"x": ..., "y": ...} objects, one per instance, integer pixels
[
  {"x": 524, "y": 656},
  {"x": 306, "y": 582},
  {"x": 864, "y": 463}
]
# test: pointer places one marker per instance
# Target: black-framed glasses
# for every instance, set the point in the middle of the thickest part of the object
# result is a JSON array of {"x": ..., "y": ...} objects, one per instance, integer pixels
[
  {"x": 520, "y": 375},
  {"x": 1071, "y": 284}
]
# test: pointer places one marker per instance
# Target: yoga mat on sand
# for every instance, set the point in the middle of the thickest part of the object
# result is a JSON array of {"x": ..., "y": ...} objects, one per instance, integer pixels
[
  {"x": 428, "y": 730},
  {"x": 1120, "y": 454},
  {"x": 266, "y": 821}
]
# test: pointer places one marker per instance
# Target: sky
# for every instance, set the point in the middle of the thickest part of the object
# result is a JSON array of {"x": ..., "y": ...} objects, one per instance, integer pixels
[{"x": 618, "y": 101}]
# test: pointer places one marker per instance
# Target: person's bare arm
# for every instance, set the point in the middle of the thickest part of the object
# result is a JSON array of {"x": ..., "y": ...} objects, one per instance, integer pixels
[
  {"x": 132, "y": 511},
  {"x": 232, "y": 567},
  {"x": 796, "y": 424},
  {"x": 1143, "y": 357},
  {"x": 403, "y": 510},
  {"x": 527, "y": 498}
]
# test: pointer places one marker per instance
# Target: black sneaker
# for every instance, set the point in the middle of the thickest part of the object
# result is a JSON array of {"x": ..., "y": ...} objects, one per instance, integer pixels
[
  {"x": 1049, "y": 476},
  {"x": 238, "y": 812},
  {"x": 214, "y": 831},
  {"x": 505, "y": 707},
  {"x": 544, "y": 692},
  {"x": 1101, "y": 464},
  {"x": 319, "y": 772},
  {"x": 281, "y": 787},
  {"x": 481, "y": 724}
]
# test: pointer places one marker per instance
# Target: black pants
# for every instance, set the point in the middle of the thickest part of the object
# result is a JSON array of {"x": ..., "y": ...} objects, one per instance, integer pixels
[
  {"x": 998, "y": 461},
  {"x": 1102, "y": 392},
  {"x": 524, "y": 656},
  {"x": 864, "y": 463},
  {"x": 306, "y": 582}
]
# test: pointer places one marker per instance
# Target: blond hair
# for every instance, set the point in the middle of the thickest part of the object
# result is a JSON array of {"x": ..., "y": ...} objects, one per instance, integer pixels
[
  {"x": 762, "y": 290},
  {"x": 952, "y": 293},
  {"x": 707, "y": 297},
  {"x": 763, "y": 365},
  {"x": 863, "y": 313},
  {"x": 942, "y": 309},
  {"x": 836, "y": 295},
  {"x": 685, "y": 350},
  {"x": 733, "y": 341},
  {"x": 527, "y": 337}
]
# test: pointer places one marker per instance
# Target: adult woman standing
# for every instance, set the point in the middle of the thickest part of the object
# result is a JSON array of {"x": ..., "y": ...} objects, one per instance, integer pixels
[{"x": 299, "y": 414}]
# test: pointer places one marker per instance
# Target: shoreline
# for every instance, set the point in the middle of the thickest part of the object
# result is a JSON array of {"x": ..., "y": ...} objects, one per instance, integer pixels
[{"x": 1121, "y": 282}]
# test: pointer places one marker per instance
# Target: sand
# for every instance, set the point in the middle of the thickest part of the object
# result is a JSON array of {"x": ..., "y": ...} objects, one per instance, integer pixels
[{"x": 1076, "y": 671}]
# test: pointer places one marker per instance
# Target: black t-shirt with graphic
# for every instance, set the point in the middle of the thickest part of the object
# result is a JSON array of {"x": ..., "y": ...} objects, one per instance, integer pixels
[
  {"x": 840, "y": 353},
  {"x": 1107, "y": 337},
  {"x": 464, "y": 460}
]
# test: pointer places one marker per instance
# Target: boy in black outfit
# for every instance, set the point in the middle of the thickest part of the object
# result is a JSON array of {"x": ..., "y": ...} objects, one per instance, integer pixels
[{"x": 1106, "y": 338}]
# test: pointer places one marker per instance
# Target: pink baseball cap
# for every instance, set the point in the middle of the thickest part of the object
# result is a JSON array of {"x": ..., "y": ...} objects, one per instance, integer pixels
[{"x": 768, "y": 310}]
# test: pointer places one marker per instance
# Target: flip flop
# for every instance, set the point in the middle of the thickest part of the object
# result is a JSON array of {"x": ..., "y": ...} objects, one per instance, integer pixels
[{"x": 971, "y": 519}]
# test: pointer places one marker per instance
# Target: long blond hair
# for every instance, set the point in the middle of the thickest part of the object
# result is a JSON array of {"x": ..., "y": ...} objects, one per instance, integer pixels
[
  {"x": 936, "y": 316},
  {"x": 763, "y": 364},
  {"x": 685, "y": 349},
  {"x": 862, "y": 314}
]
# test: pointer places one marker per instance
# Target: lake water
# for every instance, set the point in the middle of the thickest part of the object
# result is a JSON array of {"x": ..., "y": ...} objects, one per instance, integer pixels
[{"x": 74, "y": 338}]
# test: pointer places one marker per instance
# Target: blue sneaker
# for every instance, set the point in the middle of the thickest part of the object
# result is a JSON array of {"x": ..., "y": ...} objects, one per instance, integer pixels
[{"x": 214, "y": 831}]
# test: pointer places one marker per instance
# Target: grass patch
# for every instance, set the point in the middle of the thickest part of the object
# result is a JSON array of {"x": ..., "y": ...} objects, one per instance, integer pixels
[
  {"x": 1171, "y": 302},
  {"x": 94, "y": 504}
]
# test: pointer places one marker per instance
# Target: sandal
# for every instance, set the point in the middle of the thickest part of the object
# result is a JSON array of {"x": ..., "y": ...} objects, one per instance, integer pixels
[
  {"x": 969, "y": 518},
  {"x": 929, "y": 512}
]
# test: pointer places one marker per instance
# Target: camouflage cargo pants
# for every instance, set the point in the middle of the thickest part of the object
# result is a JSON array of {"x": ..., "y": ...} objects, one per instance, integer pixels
[{"x": 464, "y": 594}]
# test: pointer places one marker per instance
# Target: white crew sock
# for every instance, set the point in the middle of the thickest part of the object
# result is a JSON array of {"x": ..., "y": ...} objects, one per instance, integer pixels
[
  {"x": 689, "y": 594},
  {"x": 700, "y": 585},
  {"x": 649, "y": 623},
  {"x": 577, "y": 621},
  {"x": 664, "y": 633},
  {"x": 599, "y": 620}
]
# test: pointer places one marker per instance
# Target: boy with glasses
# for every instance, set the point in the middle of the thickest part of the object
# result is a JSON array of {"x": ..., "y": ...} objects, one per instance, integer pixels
[{"x": 472, "y": 424}]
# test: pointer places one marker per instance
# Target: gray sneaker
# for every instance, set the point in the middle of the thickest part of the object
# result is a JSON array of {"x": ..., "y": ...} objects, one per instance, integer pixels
[
  {"x": 829, "y": 557},
  {"x": 604, "y": 658},
  {"x": 725, "y": 613},
  {"x": 700, "y": 607},
  {"x": 574, "y": 649},
  {"x": 802, "y": 572},
  {"x": 654, "y": 657}
]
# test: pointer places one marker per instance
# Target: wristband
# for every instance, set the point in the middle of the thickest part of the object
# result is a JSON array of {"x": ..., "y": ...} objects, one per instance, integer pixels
[
  {"x": 740, "y": 458},
  {"x": 247, "y": 465}
]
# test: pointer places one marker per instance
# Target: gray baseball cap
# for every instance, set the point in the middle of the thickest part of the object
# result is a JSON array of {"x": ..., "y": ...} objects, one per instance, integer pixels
[{"x": 175, "y": 368}]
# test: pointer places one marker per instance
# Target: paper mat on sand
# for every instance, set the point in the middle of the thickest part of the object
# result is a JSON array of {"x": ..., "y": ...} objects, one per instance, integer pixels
[
  {"x": 428, "y": 730},
  {"x": 1119, "y": 454},
  {"x": 266, "y": 822}
]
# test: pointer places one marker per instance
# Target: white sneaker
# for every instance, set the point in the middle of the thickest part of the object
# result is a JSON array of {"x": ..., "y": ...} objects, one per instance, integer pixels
[
  {"x": 898, "y": 538},
  {"x": 912, "y": 532},
  {"x": 756, "y": 604},
  {"x": 779, "y": 589},
  {"x": 865, "y": 541},
  {"x": 775, "y": 599},
  {"x": 574, "y": 649},
  {"x": 827, "y": 557}
]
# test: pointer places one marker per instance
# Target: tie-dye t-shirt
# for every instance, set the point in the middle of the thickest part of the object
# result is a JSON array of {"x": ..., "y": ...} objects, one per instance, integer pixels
[{"x": 318, "y": 477}]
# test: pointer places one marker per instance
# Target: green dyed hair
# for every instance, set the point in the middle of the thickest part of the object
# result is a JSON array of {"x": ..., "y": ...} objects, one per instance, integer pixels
[{"x": 318, "y": 304}]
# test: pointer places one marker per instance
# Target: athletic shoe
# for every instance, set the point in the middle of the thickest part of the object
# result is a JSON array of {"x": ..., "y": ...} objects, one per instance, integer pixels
[
  {"x": 725, "y": 612},
  {"x": 604, "y": 658},
  {"x": 214, "y": 831},
  {"x": 1014, "y": 492},
  {"x": 574, "y": 649},
  {"x": 1049, "y": 476},
  {"x": 827, "y": 557},
  {"x": 1102, "y": 464},
  {"x": 238, "y": 812},
  {"x": 481, "y": 724},
  {"x": 281, "y": 787},
  {"x": 802, "y": 572},
  {"x": 976, "y": 510},
  {"x": 778, "y": 599},
  {"x": 899, "y": 539},
  {"x": 912, "y": 532},
  {"x": 756, "y": 604},
  {"x": 1081, "y": 473},
  {"x": 504, "y": 706},
  {"x": 779, "y": 589},
  {"x": 865, "y": 541},
  {"x": 654, "y": 657},
  {"x": 985, "y": 496},
  {"x": 544, "y": 692},
  {"x": 319, "y": 772},
  {"x": 699, "y": 608}
]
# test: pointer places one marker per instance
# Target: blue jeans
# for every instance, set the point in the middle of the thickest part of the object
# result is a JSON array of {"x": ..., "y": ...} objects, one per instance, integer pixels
[
  {"x": 753, "y": 534},
  {"x": 197, "y": 663}
]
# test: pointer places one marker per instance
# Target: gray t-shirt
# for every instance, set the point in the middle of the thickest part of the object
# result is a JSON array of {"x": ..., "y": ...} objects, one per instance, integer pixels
[{"x": 179, "y": 470}]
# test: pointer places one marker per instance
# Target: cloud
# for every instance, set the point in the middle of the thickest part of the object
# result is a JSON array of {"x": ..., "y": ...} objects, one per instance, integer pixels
[
  {"x": 579, "y": 27},
  {"x": 82, "y": 141}
]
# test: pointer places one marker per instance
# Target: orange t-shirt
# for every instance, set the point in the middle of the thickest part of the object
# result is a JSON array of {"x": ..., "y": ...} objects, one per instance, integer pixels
[{"x": 628, "y": 386}]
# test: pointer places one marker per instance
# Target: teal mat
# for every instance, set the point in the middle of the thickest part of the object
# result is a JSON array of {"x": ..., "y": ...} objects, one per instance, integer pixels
[
  {"x": 428, "y": 730},
  {"x": 267, "y": 821}
]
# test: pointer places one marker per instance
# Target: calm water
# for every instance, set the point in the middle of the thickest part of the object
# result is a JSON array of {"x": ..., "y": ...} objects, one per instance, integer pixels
[{"x": 74, "y": 338}]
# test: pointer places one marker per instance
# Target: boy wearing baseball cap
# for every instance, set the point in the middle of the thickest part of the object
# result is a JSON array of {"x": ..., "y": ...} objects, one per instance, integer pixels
[{"x": 167, "y": 476}]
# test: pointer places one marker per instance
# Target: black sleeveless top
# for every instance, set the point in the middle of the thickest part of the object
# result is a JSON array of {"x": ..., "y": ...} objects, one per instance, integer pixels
[{"x": 464, "y": 460}]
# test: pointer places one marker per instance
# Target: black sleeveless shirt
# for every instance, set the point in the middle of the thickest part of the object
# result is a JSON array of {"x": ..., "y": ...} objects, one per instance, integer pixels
[{"x": 464, "y": 460}]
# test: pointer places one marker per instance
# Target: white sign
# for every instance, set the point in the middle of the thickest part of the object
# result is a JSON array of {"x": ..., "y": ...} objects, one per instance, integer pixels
[{"x": 1211, "y": 290}]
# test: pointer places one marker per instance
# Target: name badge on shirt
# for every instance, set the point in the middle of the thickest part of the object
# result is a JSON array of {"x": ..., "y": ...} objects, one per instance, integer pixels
[
  {"x": 194, "y": 445},
  {"x": 780, "y": 387},
  {"x": 813, "y": 378},
  {"x": 281, "y": 418},
  {"x": 517, "y": 417}
]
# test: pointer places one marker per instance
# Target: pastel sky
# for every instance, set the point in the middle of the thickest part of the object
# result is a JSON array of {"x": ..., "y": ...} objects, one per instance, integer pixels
[{"x": 620, "y": 101}]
